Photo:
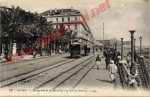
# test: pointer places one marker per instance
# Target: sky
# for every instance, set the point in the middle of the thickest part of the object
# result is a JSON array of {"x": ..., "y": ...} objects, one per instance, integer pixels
[{"x": 119, "y": 18}]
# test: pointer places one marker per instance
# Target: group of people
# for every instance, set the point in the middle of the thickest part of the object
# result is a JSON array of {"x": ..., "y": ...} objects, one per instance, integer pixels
[
  {"x": 110, "y": 55},
  {"x": 112, "y": 58}
]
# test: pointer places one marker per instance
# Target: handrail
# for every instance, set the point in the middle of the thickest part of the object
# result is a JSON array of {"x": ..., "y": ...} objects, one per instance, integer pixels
[
  {"x": 146, "y": 78},
  {"x": 141, "y": 78},
  {"x": 124, "y": 74},
  {"x": 126, "y": 77}
]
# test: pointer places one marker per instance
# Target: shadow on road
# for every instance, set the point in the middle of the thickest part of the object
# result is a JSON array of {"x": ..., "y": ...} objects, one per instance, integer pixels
[
  {"x": 69, "y": 57},
  {"x": 104, "y": 80}
]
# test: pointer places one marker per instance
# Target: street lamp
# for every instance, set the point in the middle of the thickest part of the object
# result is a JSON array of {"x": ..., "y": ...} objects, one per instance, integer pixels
[
  {"x": 134, "y": 50},
  {"x": 122, "y": 48},
  {"x": 132, "y": 69},
  {"x": 116, "y": 45},
  {"x": 140, "y": 45}
]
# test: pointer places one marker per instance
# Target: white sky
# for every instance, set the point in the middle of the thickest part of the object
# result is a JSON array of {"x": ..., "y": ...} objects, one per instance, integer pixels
[{"x": 122, "y": 15}]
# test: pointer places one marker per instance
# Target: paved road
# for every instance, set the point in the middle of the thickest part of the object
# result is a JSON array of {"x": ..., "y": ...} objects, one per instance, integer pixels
[
  {"x": 58, "y": 72},
  {"x": 11, "y": 70}
]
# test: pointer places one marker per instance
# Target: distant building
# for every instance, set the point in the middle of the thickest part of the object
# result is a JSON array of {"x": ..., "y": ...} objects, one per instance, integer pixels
[
  {"x": 108, "y": 43},
  {"x": 99, "y": 45},
  {"x": 146, "y": 53}
]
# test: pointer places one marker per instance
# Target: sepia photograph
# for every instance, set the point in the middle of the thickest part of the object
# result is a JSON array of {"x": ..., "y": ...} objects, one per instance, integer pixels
[{"x": 74, "y": 48}]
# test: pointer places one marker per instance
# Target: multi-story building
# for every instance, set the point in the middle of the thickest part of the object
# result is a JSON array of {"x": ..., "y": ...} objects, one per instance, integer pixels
[{"x": 73, "y": 22}]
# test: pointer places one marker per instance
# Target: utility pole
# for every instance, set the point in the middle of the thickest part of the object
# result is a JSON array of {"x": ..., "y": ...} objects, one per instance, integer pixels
[
  {"x": 103, "y": 35},
  {"x": 0, "y": 35},
  {"x": 140, "y": 45},
  {"x": 122, "y": 48},
  {"x": 103, "y": 31}
]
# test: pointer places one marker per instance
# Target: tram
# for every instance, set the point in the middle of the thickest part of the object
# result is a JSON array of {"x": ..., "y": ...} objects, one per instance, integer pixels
[{"x": 79, "y": 48}]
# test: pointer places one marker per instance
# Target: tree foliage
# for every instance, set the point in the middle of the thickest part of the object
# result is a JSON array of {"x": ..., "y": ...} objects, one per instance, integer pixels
[{"x": 15, "y": 20}]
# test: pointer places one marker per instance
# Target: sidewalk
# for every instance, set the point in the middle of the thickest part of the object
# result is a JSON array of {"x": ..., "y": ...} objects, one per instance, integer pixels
[
  {"x": 23, "y": 58},
  {"x": 99, "y": 77},
  {"x": 15, "y": 59}
]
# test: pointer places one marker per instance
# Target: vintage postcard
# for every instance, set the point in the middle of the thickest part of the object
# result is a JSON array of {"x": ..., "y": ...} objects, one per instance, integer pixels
[{"x": 74, "y": 48}]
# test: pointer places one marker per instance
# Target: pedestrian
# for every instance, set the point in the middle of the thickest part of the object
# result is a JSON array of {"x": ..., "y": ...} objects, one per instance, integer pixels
[
  {"x": 132, "y": 81},
  {"x": 116, "y": 57},
  {"x": 98, "y": 60},
  {"x": 128, "y": 57},
  {"x": 118, "y": 60},
  {"x": 107, "y": 60},
  {"x": 113, "y": 71},
  {"x": 35, "y": 51}
]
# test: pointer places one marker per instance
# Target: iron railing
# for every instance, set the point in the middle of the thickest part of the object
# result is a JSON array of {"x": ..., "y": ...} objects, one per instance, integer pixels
[
  {"x": 143, "y": 73},
  {"x": 142, "y": 77}
]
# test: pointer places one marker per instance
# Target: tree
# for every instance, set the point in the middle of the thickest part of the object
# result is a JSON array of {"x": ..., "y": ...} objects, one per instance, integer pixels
[{"x": 16, "y": 23}]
